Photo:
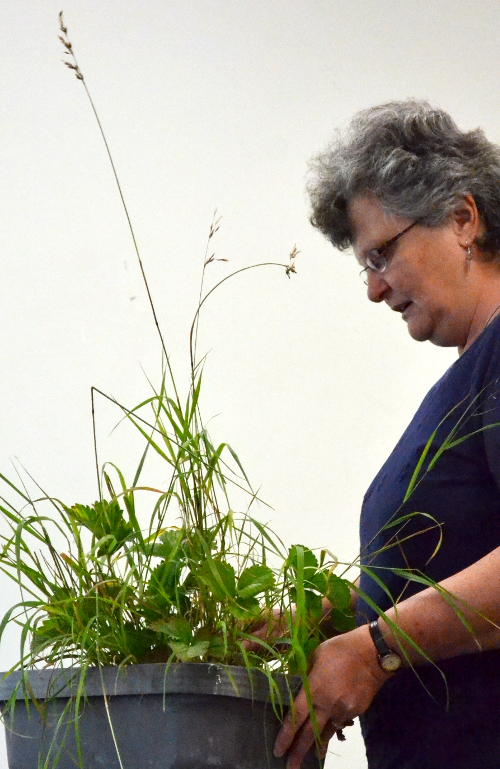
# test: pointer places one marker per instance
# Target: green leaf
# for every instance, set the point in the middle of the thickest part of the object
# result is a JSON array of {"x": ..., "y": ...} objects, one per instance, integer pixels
[
  {"x": 308, "y": 605},
  {"x": 237, "y": 460},
  {"x": 342, "y": 621},
  {"x": 309, "y": 646},
  {"x": 169, "y": 544},
  {"x": 317, "y": 580},
  {"x": 304, "y": 565},
  {"x": 175, "y": 628},
  {"x": 413, "y": 576},
  {"x": 186, "y": 653},
  {"x": 164, "y": 580},
  {"x": 136, "y": 640},
  {"x": 339, "y": 593},
  {"x": 307, "y": 558},
  {"x": 245, "y": 609},
  {"x": 314, "y": 606},
  {"x": 219, "y": 576},
  {"x": 106, "y": 522},
  {"x": 254, "y": 580},
  {"x": 217, "y": 648},
  {"x": 217, "y": 644},
  {"x": 213, "y": 462},
  {"x": 418, "y": 469},
  {"x": 47, "y": 630}
]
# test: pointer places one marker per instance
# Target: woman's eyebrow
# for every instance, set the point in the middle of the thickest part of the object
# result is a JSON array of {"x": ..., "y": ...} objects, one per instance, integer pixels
[{"x": 363, "y": 252}]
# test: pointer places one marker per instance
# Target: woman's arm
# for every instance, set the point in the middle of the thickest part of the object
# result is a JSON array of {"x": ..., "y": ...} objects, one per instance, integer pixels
[
  {"x": 345, "y": 675},
  {"x": 436, "y": 627}
]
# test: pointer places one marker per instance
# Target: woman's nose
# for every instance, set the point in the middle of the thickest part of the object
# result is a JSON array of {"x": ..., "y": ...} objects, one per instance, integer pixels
[{"x": 377, "y": 286}]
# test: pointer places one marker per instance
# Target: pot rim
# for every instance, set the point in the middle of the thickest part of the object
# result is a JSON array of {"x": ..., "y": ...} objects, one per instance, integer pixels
[{"x": 152, "y": 678}]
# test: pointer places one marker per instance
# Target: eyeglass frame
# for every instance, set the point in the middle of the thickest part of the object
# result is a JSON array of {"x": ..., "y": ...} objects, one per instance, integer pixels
[{"x": 380, "y": 253}]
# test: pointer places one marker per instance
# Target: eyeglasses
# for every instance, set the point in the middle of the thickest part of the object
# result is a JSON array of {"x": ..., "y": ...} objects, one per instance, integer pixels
[{"x": 376, "y": 259}]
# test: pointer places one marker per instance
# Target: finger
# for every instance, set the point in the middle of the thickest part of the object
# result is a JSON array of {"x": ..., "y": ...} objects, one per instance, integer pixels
[
  {"x": 304, "y": 741},
  {"x": 332, "y": 728},
  {"x": 258, "y": 634},
  {"x": 326, "y": 735},
  {"x": 250, "y": 646},
  {"x": 258, "y": 642},
  {"x": 293, "y": 721}
]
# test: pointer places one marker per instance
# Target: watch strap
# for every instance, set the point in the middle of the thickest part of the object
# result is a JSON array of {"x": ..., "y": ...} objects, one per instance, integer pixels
[
  {"x": 378, "y": 639},
  {"x": 388, "y": 659}
]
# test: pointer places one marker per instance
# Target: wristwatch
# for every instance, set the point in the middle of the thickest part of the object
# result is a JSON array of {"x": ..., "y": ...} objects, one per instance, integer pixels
[{"x": 388, "y": 659}]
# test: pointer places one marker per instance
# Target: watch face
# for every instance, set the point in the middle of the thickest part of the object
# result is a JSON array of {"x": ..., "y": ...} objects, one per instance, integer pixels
[{"x": 390, "y": 662}]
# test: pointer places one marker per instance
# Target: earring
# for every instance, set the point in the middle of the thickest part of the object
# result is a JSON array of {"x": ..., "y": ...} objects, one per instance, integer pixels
[{"x": 468, "y": 257}]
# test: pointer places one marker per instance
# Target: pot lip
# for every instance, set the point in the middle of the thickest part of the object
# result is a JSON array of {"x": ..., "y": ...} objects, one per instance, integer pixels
[{"x": 198, "y": 678}]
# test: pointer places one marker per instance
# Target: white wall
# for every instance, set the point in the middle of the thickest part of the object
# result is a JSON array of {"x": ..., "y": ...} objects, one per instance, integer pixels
[{"x": 212, "y": 104}]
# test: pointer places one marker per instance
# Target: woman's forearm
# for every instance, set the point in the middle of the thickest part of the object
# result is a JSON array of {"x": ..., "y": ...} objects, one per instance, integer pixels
[{"x": 435, "y": 626}]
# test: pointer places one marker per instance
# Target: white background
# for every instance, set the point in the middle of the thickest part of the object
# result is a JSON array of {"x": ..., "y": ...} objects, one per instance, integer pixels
[{"x": 212, "y": 104}]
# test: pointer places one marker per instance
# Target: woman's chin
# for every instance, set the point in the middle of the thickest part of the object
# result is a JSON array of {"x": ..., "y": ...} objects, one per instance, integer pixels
[
  {"x": 419, "y": 328},
  {"x": 442, "y": 334},
  {"x": 418, "y": 335}
]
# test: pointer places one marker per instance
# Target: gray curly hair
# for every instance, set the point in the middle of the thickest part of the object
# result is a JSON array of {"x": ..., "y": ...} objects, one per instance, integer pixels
[{"x": 416, "y": 161}]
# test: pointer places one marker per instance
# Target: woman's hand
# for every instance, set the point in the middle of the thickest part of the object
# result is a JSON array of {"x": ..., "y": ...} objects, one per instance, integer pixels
[
  {"x": 271, "y": 627},
  {"x": 344, "y": 678},
  {"x": 276, "y": 624}
]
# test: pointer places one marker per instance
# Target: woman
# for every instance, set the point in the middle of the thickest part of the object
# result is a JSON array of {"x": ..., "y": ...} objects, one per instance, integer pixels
[{"x": 419, "y": 202}]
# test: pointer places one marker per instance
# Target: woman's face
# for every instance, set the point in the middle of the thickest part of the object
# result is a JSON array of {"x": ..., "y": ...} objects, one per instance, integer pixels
[{"x": 427, "y": 275}]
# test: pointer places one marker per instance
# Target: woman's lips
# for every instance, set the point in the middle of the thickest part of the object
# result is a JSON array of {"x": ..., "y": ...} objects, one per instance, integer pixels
[
  {"x": 401, "y": 307},
  {"x": 405, "y": 309}
]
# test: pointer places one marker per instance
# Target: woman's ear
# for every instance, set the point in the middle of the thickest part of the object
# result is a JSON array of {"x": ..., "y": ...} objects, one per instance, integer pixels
[{"x": 466, "y": 221}]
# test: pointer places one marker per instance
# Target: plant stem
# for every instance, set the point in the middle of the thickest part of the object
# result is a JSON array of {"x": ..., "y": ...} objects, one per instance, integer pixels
[
  {"x": 204, "y": 299},
  {"x": 75, "y": 67}
]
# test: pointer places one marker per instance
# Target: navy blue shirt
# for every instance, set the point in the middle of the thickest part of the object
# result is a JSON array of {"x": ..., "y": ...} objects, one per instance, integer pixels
[{"x": 457, "y": 725}]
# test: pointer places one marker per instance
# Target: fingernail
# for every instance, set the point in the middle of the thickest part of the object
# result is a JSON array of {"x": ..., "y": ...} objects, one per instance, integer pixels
[{"x": 277, "y": 750}]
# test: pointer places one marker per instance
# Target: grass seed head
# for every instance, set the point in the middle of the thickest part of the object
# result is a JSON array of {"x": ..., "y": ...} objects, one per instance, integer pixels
[
  {"x": 61, "y": 24},
  {"x": 68, "y": 48}
]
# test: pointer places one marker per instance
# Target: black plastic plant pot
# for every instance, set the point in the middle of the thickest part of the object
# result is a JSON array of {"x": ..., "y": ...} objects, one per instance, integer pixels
[{"x": 185, "y": 716}]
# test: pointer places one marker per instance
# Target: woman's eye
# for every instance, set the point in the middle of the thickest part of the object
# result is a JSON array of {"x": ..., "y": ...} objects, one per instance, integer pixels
[{"x": 376, "y": 261}]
